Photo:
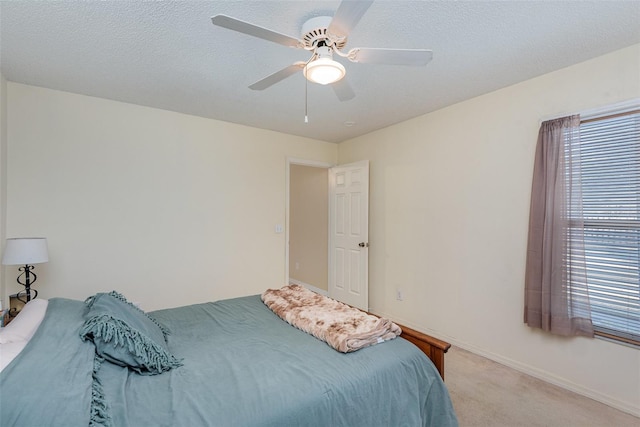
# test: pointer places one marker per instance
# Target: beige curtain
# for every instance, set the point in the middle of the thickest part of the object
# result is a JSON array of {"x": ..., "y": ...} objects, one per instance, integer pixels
[{"x": 556, "y": 294}]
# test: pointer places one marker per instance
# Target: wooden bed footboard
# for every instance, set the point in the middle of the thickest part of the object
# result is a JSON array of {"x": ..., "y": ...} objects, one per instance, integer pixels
[{"x": 432, "y": 347}]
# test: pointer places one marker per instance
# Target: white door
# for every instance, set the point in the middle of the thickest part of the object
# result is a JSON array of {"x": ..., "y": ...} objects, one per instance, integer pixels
[{"x": 349, "y": 234}]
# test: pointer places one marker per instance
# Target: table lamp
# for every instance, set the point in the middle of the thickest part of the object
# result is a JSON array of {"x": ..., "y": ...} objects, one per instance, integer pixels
[{"x": 26, "y": 251}]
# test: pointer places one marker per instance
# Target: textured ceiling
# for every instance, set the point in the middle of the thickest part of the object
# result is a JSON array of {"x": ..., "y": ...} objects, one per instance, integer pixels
[{"x": 169, "y": 55}]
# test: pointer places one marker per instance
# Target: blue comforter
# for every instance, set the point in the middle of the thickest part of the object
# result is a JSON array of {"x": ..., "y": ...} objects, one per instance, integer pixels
[{"x": 243, "y": 366}]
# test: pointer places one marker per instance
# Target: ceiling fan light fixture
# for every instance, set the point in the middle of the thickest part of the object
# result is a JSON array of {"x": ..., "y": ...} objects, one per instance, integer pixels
[{"x": 324, "y": 71}]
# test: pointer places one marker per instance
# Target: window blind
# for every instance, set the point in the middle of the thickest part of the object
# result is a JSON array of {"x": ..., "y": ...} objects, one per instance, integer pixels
[{"x": 609, "y": 154}]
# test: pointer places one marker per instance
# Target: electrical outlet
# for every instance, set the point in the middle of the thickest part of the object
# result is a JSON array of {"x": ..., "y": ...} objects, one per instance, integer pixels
[
  {"x": 297, "y": 266},
  {"x": 399, "y": 295}
]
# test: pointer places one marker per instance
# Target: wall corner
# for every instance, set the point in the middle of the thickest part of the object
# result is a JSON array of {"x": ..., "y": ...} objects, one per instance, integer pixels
[{"x": 3, "y": 185}]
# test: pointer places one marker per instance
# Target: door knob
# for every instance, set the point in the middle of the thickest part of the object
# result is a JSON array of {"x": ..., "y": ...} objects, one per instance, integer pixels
[{"x": 363, "y": 245}]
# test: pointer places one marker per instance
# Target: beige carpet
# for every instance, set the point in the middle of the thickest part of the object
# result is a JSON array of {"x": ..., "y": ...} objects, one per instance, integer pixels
[{"x": 486, "y": 393}]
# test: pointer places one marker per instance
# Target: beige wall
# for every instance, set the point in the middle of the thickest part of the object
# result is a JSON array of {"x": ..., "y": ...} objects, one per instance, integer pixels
[
  {"x": 3, "y": 184},
  {"x": 308, "y": 226},
  {"x": 449, "y": 212},
  {"x": 168, "y": 208}
]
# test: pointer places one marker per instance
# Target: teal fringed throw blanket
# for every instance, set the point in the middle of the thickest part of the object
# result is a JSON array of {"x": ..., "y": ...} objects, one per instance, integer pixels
[{"x": 125, "y": 335}]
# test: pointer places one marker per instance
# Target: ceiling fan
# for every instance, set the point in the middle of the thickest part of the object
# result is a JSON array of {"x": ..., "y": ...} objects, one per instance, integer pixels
[{"x": 324, "y": 36}]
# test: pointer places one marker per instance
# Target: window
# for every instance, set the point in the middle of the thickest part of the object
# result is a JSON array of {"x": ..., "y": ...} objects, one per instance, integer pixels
[{"x": 609, "y": 153}]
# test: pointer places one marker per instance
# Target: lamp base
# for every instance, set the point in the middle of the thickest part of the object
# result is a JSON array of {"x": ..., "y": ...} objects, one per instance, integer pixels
[
  {"x": 26, "y": 295},
  {"x": 29, "y": 278}
]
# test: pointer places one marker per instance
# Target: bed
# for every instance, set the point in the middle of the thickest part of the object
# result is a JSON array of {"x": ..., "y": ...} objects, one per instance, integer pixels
[{"x": 238, "y": 364}]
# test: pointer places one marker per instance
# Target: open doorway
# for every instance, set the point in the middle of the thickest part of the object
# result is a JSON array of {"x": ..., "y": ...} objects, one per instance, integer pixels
[{"x": 307, "y": 225}]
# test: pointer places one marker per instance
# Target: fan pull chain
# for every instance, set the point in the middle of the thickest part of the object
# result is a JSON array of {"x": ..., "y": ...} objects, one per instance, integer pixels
[{"x": 306, "y": 99}]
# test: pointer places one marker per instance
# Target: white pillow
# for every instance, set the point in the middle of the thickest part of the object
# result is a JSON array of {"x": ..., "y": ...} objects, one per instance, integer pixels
[
  {"x": 26, "y": 322},
  {"x": 9, "y": 351}
]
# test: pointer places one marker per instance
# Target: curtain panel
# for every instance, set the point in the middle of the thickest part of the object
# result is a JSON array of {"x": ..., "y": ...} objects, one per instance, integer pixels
[{"x": 556, "y": 294}]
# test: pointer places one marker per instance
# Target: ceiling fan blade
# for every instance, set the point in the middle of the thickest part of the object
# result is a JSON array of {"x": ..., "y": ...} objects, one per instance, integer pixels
[
  {"x": 255, "y": 31},
  {"x": 347, "y": 16},
  {"x": 369, "y": 55},
  {"x": 343, "y": 90},
  {"x": 278, "y": 76}
]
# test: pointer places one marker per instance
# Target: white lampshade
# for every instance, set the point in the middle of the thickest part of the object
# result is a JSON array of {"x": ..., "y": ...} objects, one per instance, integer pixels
[
  {"x": 324, "y": 70},
  {"x": 25, "y": 250}
]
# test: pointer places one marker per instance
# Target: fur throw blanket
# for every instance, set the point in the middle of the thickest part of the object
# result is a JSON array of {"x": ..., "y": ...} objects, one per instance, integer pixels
[{"x": 341, "y": 326}]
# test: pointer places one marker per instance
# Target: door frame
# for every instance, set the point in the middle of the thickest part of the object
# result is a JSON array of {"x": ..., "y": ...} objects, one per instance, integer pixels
[{"x": 302, "y": 162}]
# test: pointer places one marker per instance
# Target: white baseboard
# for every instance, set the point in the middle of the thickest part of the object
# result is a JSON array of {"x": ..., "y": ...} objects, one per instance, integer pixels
[
  {"x": 310, "y": 287},
  {"x": 529, "y": 370}
]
